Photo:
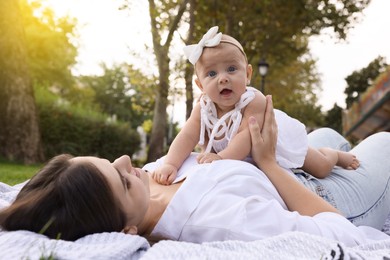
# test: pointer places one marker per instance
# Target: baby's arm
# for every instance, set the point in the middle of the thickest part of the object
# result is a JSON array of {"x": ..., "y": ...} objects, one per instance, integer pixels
[
  {"x": 240, "y": 146},
  {"x": 180, "y": 149}
]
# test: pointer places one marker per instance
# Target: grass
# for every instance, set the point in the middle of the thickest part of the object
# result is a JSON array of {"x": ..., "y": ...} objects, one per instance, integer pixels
[{"x": 14, "y": 173}]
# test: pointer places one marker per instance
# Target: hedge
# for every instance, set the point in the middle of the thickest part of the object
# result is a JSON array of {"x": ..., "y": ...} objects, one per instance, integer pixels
[{"x": 68, "y": 130}]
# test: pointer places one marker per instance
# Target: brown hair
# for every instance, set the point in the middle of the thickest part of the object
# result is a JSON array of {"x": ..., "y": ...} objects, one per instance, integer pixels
[{"x": 65, "y": 200}]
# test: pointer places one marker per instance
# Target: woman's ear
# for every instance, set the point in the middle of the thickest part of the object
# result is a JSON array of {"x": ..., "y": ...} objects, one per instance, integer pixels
[
  {"x": 249, "y": 72},
  {"x": 132, "y": 230},
  {"x": 197, "y": 81}
]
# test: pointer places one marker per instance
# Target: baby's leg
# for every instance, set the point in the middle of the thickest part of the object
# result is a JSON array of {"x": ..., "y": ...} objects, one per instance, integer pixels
[
  {"x": 347, "y": 160},
  {"x": 362, "y": 195}
]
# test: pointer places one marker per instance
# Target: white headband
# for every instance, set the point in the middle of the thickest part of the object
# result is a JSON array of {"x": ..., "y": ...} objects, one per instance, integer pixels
[{"x": 211, "y": 39}]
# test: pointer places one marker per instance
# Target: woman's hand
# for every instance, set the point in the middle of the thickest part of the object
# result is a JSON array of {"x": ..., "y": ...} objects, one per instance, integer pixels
[
  {"x": 264, "y": 139},
  {"x": 295, "y": 195}
]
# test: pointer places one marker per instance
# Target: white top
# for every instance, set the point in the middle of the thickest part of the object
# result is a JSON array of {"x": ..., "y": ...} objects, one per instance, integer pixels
[
  {"x": 234, "y": 200},
  {"x": 292, "y": 142}
]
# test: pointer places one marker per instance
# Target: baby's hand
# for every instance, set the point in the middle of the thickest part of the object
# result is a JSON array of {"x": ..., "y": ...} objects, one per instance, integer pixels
[
  {"x": 165, "y": 174},
  {"x": 208, "y": 157}
]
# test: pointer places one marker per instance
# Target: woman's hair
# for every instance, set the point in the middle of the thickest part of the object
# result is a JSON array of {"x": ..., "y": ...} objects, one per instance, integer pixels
[{"x": 65, "y": 200}]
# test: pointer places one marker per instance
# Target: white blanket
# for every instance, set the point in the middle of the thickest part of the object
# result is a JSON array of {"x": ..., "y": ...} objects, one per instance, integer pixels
[{"x": 293, "y": 245}]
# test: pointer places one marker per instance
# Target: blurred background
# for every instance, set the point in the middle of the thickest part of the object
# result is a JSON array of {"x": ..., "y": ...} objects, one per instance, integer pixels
[{"x": 108, "y": 77}]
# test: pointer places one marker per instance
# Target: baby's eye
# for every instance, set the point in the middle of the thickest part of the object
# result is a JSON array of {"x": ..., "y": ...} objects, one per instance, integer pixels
[
  {"x": 232, "y": 69},
  {"x": 211, "y": 74}
]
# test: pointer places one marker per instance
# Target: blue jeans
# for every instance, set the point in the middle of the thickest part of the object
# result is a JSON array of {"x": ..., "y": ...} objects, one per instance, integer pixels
[{"x": 362, "y": 195}]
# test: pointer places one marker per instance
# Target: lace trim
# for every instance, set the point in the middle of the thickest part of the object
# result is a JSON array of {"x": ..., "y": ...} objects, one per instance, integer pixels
[{"x": 226, "y": 126}]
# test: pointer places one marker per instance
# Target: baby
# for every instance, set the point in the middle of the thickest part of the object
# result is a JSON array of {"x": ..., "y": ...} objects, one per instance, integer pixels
[{"x": 219, "y": 120}]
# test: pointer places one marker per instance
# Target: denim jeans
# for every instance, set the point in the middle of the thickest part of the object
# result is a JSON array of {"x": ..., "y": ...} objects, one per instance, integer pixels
[{"x": 362, "y": 195}]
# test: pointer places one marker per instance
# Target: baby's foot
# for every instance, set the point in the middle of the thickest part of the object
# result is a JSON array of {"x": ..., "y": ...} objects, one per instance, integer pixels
[{"x": 347, "y": 160}]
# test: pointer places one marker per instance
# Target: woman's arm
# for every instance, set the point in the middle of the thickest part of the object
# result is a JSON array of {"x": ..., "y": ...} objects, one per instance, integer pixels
[{"x": 295, "y": 195}]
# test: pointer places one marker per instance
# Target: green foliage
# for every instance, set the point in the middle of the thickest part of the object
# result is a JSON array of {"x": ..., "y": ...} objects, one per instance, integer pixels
[
  {"x": 79, "y": 131},
  {"x": 279, "y": 31},
  {"x": 123, "y": 92},
  {"x": 333, "y": 118},
  {"x": 147, "y": 126},
  {"x": 50, "y": 43},
  {"x": 294, "y": 91},
  {"x": 360, "y": 80}
]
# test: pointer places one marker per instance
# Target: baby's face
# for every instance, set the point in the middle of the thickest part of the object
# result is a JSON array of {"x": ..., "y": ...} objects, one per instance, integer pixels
[{"x": 223, "y": 74}]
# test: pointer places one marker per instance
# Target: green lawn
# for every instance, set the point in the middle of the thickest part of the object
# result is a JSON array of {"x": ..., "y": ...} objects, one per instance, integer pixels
[{"x": 12, "y": 173}]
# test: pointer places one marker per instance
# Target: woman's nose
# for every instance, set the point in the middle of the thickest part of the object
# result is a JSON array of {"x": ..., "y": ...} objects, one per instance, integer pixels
[{"x": 124, "y": 162}]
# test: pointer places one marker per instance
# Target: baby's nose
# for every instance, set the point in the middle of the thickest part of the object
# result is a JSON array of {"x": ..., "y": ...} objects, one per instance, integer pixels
[{"x": 223, "y": 79}]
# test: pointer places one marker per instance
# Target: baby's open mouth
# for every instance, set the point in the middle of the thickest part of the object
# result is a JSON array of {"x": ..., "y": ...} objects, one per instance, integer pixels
[{"x": 225, "y": 91}]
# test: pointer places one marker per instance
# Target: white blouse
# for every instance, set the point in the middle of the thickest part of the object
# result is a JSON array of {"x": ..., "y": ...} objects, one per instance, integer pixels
[{"x": 234, "y": 200}]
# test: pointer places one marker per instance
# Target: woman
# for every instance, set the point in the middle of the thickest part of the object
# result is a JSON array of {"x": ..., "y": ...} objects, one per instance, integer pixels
[{"x": 72, "y": 197}]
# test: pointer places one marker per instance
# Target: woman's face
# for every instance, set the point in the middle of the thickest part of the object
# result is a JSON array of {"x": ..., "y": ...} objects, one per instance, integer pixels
[{"x": 130, "y": 185}]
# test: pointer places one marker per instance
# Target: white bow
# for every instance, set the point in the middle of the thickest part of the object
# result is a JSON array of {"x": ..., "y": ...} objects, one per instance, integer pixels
[{"x": 210, "y": 39}]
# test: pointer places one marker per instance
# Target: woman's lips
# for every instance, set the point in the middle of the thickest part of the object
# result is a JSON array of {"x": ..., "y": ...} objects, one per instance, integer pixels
[{"x": 137, "y": 173}]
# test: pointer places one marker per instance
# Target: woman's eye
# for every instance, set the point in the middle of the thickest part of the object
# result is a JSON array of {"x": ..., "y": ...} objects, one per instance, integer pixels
[
  {"x": 232, "y": 69},
  {"x": 125, "y": 180},
  {"x": 128, "y": 183},
  {"x": 211, "y": 74}
]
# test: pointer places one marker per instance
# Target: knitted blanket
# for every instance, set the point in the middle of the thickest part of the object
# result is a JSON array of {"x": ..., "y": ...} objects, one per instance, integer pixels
[{"x": 292, "y": 245}]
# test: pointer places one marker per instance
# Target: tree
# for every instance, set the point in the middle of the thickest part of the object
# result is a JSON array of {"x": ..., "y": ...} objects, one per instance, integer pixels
[
  {"x": 51, "y": 46},
  {"x": 333, "y": 118},
  {"x": 19, "y": 131},
  {"x": 122, "y": 92},
  {"x": 277, "y": 30},
  {"x": 165, "y": 17},
  {"x": 189, "y": 68},
  {"x": 294, "y": 89},
  {"x": 360, "y": 80}
]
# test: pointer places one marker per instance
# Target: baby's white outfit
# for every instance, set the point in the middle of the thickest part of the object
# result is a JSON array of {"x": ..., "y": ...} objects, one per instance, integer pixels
[{"x": 292, "y": 142}]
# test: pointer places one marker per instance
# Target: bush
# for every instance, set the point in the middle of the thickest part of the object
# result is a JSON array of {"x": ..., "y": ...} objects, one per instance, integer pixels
[{"x": 77, "y": 131}]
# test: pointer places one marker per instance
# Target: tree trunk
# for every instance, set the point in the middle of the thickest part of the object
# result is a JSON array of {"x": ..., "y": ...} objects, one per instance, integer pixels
[
  {"x": 157, "y": 138},
  {"x": 19, "y": 130},
  {"x": 189, "y": 69}
]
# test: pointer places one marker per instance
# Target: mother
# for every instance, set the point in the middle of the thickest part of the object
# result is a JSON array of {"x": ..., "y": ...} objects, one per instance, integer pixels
[{"x": 74, "y": 197}]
